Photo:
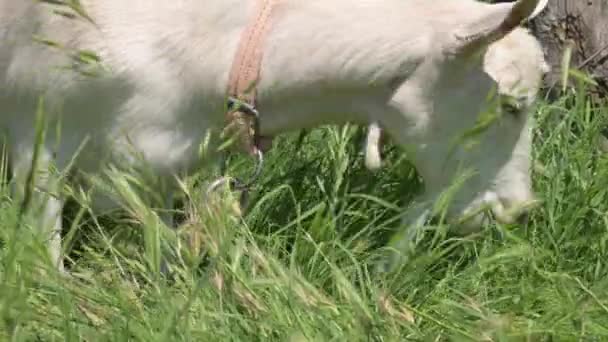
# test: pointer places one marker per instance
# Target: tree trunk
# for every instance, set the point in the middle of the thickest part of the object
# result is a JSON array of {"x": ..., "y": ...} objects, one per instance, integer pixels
[{"x": 583, "y": 25}]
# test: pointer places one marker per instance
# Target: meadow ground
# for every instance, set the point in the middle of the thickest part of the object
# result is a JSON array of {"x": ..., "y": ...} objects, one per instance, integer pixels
[{"x": 298, "y": 267}]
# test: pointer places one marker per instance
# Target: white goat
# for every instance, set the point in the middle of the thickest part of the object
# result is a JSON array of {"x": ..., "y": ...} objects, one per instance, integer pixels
[
  {"x": 413, "y": 66},
  {"x": 516, "y": 63}
]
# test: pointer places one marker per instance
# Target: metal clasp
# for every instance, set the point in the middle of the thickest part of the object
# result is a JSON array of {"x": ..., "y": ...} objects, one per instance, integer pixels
[
  {"x": 235, "y": 183},
  {"x": 242, "y": 106}
]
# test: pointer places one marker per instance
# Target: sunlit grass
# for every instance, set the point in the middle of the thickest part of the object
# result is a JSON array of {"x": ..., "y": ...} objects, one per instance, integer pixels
[{"x": 298, "y": 267}]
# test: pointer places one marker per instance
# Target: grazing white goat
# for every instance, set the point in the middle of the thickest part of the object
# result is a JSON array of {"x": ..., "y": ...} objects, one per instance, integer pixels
[
  {"x": 413, "y": 66},
  {"x": 516, "y": 63}
]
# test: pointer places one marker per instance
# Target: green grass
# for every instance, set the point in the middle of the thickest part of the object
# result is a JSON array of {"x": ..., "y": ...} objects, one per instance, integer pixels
[{"x": 299, "y": 266}]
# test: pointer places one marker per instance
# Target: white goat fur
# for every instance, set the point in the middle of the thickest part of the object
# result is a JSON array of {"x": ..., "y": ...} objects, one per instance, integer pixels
[
  {"x": 325, "y": 62},
  {"x": 514, "y": 77}
]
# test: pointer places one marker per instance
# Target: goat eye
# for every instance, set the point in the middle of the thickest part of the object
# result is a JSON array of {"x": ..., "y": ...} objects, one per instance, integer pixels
[{"x": 510, "y": 109}]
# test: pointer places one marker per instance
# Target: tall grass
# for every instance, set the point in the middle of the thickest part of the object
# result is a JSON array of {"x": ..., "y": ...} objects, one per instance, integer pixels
[{"x": 298, "y": 266}]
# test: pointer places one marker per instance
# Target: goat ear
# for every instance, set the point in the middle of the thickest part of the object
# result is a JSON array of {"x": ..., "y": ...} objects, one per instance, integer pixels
[{"x": 497, "y": 22}]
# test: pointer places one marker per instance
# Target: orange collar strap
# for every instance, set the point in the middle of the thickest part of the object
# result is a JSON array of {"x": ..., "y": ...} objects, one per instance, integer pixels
[{"x": 242, "y": 114}]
